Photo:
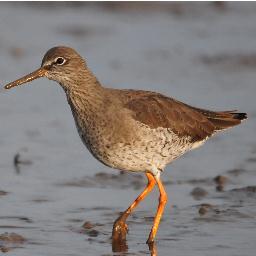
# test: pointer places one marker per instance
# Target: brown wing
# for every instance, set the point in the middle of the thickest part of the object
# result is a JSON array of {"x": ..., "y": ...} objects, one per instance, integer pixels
[
  {"x": 156, "y": 110},
  {"x": 222, "y": 119}
]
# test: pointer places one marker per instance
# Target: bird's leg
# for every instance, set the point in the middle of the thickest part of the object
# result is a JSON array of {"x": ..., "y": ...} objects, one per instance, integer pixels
[
  {"x": 120, "y": 228},
  {"x": 162, "y": 202}
]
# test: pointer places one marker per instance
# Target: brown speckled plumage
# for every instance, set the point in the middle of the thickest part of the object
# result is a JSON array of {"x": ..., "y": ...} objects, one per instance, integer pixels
[{"x": 129, "y": 129}]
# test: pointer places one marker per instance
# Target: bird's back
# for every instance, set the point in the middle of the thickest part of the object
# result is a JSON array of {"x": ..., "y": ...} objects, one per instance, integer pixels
[{"x": 157, "y": 110}]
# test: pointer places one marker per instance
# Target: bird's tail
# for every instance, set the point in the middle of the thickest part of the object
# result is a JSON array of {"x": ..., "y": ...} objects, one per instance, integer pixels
[{"x": 224, "y": 119}]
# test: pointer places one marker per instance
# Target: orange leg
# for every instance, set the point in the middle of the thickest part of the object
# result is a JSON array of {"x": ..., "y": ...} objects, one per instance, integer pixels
[
  {"x": 120, "y": 228},
  {"x": 162, "y": 202}
]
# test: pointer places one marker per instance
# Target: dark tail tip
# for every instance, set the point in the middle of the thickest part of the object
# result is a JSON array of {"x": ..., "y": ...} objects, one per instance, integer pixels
[{"x": 240, "y": 116}]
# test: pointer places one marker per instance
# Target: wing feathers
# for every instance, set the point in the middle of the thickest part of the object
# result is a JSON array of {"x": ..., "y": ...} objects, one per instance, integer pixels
[{"x": 156, "y": 110}]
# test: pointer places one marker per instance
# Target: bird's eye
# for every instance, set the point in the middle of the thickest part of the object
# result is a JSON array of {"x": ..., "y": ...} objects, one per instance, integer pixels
[{"x": 60, "y": 61}]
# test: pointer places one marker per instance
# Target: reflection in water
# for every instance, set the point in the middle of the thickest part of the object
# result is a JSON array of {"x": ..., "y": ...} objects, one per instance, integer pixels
[
  {"x": 153, "y": 249},
  {"x": 119, "y": 245},
  {"x": 119, "y": 232},
  {"x": 17, "y": 162}
]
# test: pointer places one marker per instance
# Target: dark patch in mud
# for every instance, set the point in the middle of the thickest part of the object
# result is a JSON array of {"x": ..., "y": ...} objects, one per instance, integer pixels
[
  {"x": 161, "y": 54},
  {"x": 12, "y": 238},
  {"x": 23, "y": 219},
  {"x": 115, "y": 64},
  {"x": 177, "y": 9},
  {"x": 203, "y": 181},
  {"x": 3, "y": 193},
  {"x": 90, "y": 209},
  {"x": 236, "y": 172},
  {"x": 249, "y": 191},
  {"x": 89, "y": 225},
  {"x": 84, "y": 31},
  {"x": 220, "y": 181},
  {"x": 231, "y": 61},
  {"x": 15, "y": 227},
  {"x": 9, "y": 241},
  {"x": 198, "y": 193},
  {"x": 17, "y": 52},
  {"x": 221, "y": 213},
  {"x": 92, "y": 230},
  {"x": 204, "y": 209},
  {"x": 16, "y": 222},
  {"x": 40, "y": 200},
  {"x": 169, "y": 7},
  {"x": 4, "y": 249},
  {"x": 103, "y": 180},
  {"x": 92, "y": 233},
  {"x": 251, "y": 159}
]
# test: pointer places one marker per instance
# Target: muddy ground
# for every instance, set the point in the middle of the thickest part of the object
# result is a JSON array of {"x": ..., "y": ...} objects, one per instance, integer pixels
[{"x": 55, "y": 199}]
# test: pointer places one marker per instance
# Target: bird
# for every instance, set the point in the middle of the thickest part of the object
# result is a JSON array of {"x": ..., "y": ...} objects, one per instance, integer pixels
[{"x": 130, "y": 130}]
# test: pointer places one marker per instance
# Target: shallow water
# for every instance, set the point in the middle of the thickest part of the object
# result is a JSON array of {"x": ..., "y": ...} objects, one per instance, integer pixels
[{"x": 50, "y": 185}]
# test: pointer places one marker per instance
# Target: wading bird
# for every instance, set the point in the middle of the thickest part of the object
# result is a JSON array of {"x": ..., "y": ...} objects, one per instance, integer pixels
[{"x": 131, "y": 130}]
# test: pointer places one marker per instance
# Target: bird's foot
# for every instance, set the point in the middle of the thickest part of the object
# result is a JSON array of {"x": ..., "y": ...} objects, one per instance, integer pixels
[
  {"x": 152, "y": 248},
  {"x": 120, "y": 229},
  {"x": 150, "y": 240}
]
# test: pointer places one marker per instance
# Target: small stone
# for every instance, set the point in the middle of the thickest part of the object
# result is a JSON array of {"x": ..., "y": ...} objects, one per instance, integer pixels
[
  {"x": 88, "y": 225},
  {"x": 204, "y": 208},
  {"x": 12, "y": 238},
  {"x": 4, "y": 249},
  {"x": 220, "y": 180}
]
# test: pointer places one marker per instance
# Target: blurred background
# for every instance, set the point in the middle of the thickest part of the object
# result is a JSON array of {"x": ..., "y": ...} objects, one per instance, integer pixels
[{"x": 201, "y": 53}]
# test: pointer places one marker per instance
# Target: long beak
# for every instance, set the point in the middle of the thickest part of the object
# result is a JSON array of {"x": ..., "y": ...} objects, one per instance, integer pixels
[{"x": 25, "y": 79}]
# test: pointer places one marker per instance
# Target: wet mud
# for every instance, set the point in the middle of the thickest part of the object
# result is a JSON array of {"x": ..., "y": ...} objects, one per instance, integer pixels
[
  {"x": 55, "y": 199},
  {"x": 121, "y": 180}
]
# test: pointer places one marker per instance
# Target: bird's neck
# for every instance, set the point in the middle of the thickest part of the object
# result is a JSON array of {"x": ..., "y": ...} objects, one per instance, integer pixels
[{"x": 85, "y": 94}]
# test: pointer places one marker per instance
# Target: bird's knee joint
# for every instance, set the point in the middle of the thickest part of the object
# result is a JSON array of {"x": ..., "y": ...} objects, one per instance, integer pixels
[{"x": 163, "y": 199}]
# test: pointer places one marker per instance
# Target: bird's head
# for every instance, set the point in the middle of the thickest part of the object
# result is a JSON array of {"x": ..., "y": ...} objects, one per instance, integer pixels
[{"x": 61, "y": 64}]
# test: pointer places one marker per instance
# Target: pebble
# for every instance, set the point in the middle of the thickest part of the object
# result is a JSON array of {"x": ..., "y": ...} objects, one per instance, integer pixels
[{"x": 12, "y": 238}]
